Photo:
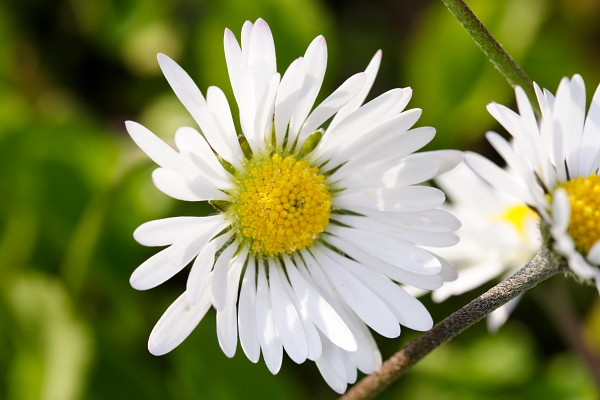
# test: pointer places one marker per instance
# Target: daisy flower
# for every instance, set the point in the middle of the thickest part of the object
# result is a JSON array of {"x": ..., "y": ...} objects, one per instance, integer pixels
[
  {"x": 556, "y": 160},
  {"x": 499, "y": 234},
  {"x": 314, "y": 225}
]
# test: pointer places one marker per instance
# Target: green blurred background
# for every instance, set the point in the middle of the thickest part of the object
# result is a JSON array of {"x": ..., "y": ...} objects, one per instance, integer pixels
[{"x": 73, "y": 187}]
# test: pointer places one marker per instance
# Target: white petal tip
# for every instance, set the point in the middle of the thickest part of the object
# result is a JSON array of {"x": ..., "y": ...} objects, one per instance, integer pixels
[
  {"x": 261, "y": 24},
  {"x": 157, "y": 350},
  {"x": 425, "y": 327},
  {"x": 165, "y": 62},
  {"x": 320, "y": 41},
  {"x": 138, "y": 282},
  {"x": 134, "y": 284},
  {"x": 133, "y": 128}
]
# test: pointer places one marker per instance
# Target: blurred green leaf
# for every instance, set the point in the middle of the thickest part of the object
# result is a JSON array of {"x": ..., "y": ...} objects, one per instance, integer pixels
[
  {"x": 52, "y": 346},
  {"x": 452, "y": 79}
]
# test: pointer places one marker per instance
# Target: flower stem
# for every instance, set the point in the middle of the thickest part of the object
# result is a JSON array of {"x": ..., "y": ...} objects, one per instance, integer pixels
[
  {"x": 493, "y": 50},
  {"x": 561, "y": 310},
  {"x": 544, "y": 265}
]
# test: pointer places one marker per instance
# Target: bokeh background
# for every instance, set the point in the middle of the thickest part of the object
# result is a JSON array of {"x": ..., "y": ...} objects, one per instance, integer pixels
[{"x": 73, "y": 187}]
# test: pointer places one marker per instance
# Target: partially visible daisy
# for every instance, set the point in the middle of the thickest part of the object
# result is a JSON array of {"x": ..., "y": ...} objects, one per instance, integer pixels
[
  {"x": 314, "y": 225},
  {"x": 557, "y": 161},
  {"x": 499, "y": 234}
]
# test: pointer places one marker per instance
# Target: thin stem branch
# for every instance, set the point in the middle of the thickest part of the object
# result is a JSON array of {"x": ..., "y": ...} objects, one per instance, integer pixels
[
  {"x": 494, "y": 51},
  {"x": 544, "y": 265},
  {"x": 561, "y": 310}
]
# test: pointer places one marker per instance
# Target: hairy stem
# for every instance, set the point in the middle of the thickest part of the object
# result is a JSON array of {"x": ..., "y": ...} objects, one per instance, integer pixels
[
  {"x": 561, "y": 310},
  {"x": 491, "y": 48},
  {"x": 544, "y": 265}
]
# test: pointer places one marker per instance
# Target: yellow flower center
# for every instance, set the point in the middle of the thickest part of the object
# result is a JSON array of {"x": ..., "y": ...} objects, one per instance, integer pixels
[
  {"x": 519, "y": 216},
  {"x": 280, "y": 205},
  {"x": 584, "y": 196}
]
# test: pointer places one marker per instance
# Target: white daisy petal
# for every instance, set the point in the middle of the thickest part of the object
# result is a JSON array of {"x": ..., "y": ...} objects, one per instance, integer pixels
[
  {"x": 247, "y": 313},
  {"x": 407, "y": 198},
  {"x": 233, "y": 58},
  {"x": 409, "y": 311},
  {"x": 227, "y": 327},
  {"x": 218, "y": 104},
  {"x": 429, "y": 220},
  {"x": 366, "y": 304},
  {"x": 366, "y": 357},
  {"x": 410, "y": 171},
  {"x": 569, "y": 111},
  {"x": 152, "y": 145},
  {"x": 394, "y": 272},
  {"x": 154, "y": 271},
  {"x": 445, "y": 160},
  {"x": 315, "y": 62},
  {"x": 261, "y": 52},
  {"x": 313, "y": 337},
  {"x": 177, "y": 323},
  {"x": 413, "y": 236},
  {"x": 326, "y": 367},
  {"x": 499, "y": 316},
  {"x": 357, "y": 101},
  {"x": 190, "y": 96},
  {"x": 191, "y": 141},
  {"x": 507, "y": 152},
  {"x": 286, "y": 317},
  {"x": 323, "y": 315},
  {"x": 203, "y": 265},
  {"x": 332, "y": 104},
  {"x": 165, "y": 264},
  {"x": 184, "y": 87},
  {"x": 163, "y": 232},
  {"x": 594, "y": 253},
  {"x": 382, "y": 132},
  {"x": 247, "y": 29},
  {"x": 589, "y": 158},
  {"x": 174, "y": 185},
  {"x": 353, "y": 126},
  {"x": 470, "y": 278},
  {"x": 391, "y": 250},
  {"x": 287, "y": 97},
  {"x": 221, "y": 284},
  {"x": 497, "y": 177},
  {"x": 268, "y": 336},
  {"x": 392, "y": 148},
  {"x": 264, "y": 114},
  {"x": 201, "y": 175}
]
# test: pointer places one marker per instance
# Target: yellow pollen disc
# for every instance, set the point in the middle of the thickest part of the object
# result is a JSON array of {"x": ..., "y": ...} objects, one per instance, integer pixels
[
  {"x": 584, "y": 196},
  {"x": 519, "y": 216},
  {"x": 280, "y": 205}
]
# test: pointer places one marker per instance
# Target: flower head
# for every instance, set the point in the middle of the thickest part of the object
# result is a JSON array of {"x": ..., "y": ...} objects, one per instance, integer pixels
[
  {"x": 556, "y": 162},
  {"x": 499, "y": 234},
  {"x": 315, "y": 225}
]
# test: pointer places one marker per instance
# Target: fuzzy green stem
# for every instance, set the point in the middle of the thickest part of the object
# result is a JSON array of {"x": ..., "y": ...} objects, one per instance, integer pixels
[
  {"x": 561, "y": 310},
  {"x": 544, "y": 265},
  {"x": 493, "y": 50}
]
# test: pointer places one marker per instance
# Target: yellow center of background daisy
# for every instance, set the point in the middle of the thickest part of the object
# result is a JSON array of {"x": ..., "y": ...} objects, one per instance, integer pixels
[
  {"x": 281, "y": 205},
  {"x": 519, "y": 216},
  {"x": 584, "y": 196}
]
